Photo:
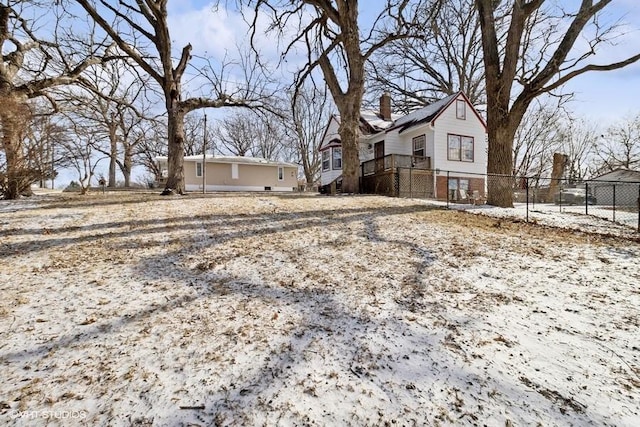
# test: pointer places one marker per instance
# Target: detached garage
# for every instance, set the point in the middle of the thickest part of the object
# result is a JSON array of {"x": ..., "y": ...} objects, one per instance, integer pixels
[
  {"x": 234, "y": 173},
  {"x": 621, "y": 184}
]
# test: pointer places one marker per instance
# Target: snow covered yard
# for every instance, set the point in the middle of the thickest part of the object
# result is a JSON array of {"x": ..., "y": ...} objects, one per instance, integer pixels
[{"x": 132, "y": 309}]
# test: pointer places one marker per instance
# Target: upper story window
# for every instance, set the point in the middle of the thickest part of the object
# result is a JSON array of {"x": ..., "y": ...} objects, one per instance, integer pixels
[
  {"x": 325, "y": 159},
  {"x": 199, "y": 169},
  {"x": 460, "y": 148},
  {"x": 419, "y": 143},
  {"x": 337, "y": 158},
  {"x": 461, "y": 109}
]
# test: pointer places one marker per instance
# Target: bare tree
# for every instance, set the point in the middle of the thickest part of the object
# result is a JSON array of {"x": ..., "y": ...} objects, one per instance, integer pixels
[
  {"x": 619, "y": 147},
  {"x": 310, "y": 112},
  {"x": 152, "y": 145},
  {"x": 579, "y": 137},
  {"x": 44, "y": 136},
  {"x": 334, "y": 42},
  {"x": 269, "y": 139},
  {"x": 30, "y": 64},
  {"x": 419, "y": 70},
  {"x": 141, "y": 30},
  {"x": 528, "y": 51},
  {"x": 236, "y": 134},
  {"x": 195, "y": 137},
  {"x": 81, "y": 155},
  {"x": 536, "y": 139},
  {"x": 112, "y": 99}
]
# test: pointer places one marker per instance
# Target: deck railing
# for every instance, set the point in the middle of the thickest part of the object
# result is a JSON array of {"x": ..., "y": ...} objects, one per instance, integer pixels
[{"x": 394, "y": 161}]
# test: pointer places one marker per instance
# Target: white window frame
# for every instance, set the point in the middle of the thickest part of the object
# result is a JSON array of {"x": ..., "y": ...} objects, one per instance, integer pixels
[
  {"x": 326, "y": 160},
  {"x": 420, "y": 140},
  {"x": 235, "y": 173},
  {"x": 280, "y": 173},
  {"x": 460, "y": 153},
  {"x": 466, "y": 153},
  {"x": 336, "y": 157},
  {"x": 199, "y": 169},
  {"x": 461, "y": 109}
]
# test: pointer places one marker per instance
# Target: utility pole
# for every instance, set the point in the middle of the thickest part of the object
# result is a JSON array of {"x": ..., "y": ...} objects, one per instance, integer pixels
[
  {"x": 53, "y": 170},
  {"x": 204, "y": 156}
]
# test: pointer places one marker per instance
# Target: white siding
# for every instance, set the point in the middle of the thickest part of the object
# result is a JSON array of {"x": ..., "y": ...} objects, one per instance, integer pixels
[
  {"x": 331, "y": 132},
  {"x": 430, "y": 145},
  {"x": 326, "y": 177},
  {"x": 395, "y": 143},
  {"x": 447, "y": 123},
  {"x": 408, "y": 135},
  {"x": 367, "y": 153}
]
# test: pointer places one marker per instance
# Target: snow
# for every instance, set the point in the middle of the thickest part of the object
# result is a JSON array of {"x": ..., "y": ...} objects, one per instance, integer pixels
[
  {"x": 242, "y": 309},
  {"x": 376, "y": 121},
  {"x": 598, "y": 220}
]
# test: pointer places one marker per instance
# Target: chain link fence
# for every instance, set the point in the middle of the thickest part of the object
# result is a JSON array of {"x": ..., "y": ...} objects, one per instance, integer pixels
[{"x": 617, "y": 201}]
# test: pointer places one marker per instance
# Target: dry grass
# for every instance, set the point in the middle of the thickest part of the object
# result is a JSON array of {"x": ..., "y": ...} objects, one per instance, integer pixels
[{"x": 310, "y": 310}]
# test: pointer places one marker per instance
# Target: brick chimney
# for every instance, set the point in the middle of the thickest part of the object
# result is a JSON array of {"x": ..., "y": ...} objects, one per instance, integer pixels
[{"x": 385, "y": 106}]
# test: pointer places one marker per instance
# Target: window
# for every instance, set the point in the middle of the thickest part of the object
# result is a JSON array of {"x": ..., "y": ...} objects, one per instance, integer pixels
[
  {"x": 461, "y": 109},
  {"x": 460, "y": 148},
  {"x": 325, "y": 160},
  {"x": 419, "y": 146},
  {"x": 280, "y": 173},
  {"x": 467, "y": 149},
  {"x": 337, "y": 158},
  {"x": 453, "y": 152},
  {"x": 455, "y": 185},
  {"x": 199, "y": 169}
]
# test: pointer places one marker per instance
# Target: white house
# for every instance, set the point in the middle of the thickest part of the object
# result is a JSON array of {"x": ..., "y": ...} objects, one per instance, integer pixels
[{"x": 446, "y": 140}]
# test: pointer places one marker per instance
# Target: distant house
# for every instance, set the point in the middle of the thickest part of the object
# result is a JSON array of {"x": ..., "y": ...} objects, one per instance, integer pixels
[
  {"x": 448, "y": 135},
  {"x": 235, "y": 173},
  {"x": 623, "y": 184}
]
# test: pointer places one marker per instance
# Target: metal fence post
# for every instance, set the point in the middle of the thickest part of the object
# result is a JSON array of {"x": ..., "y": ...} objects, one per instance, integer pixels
[
  {"x": 586, "y": 198},
  {"x": 447, "y": 188},
  {"x": 559, "y": 195},
  {"x": 614, "y": 203},
  {"x": 533, "y": 199},
  {"x": 526, "y": 184},
  {"x": 410, "y": 183}
]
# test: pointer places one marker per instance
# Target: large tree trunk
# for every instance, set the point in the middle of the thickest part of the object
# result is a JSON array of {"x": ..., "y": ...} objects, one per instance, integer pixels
[
  {"x": 175, "y": 179},
  {"x": 500, "y": 162},
  {"x": 348, "y": 131},
  {"x": 13, "y": 119},
  {"x": 15, "y": 159},
  {"x": 113, "y": 154},
  {"x": 127, "y": 164}
]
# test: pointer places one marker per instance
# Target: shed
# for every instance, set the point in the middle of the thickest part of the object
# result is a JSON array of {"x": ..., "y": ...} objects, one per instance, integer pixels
[{"x": 623, "y": 184}]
